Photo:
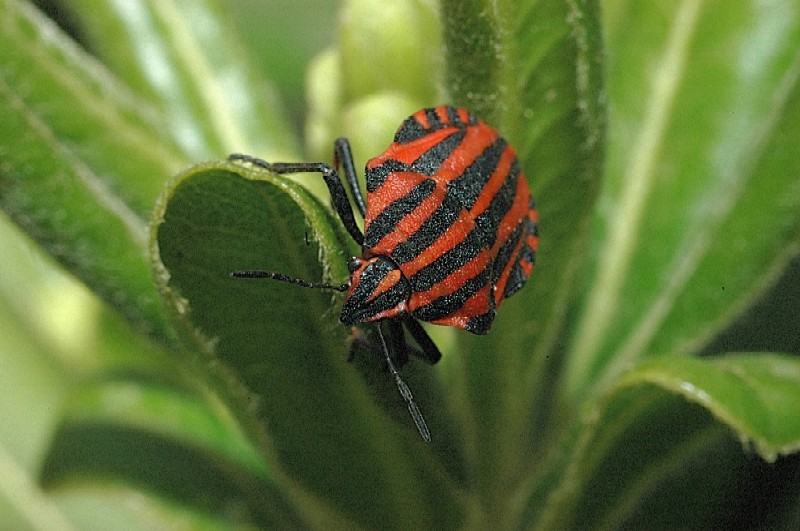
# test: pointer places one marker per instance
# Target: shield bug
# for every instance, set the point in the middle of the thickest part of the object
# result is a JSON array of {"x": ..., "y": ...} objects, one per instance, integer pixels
[{"x": 450, "y": 231}]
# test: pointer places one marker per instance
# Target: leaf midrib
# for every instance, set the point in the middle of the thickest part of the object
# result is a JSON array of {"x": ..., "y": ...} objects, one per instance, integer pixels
[{"x": 637, "y": 183}]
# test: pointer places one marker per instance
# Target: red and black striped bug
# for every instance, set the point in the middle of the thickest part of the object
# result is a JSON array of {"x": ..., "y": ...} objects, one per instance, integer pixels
[{"x": 450, "y": 231}]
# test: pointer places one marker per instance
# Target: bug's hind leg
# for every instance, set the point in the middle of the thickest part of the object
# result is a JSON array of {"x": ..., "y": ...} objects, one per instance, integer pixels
[
  {"x": 342, "y": 154},
  {"x": 399, "y": 347},
  {"x": 430, "y": 352},
  {"x": 338, "y": 194},
  {"x": 397, "y": 339}
]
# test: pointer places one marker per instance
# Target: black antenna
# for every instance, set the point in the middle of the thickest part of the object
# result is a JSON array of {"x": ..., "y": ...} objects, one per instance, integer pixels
[
  {"x": 405, "y": 392},
  {"x": 291, "y": 280}
]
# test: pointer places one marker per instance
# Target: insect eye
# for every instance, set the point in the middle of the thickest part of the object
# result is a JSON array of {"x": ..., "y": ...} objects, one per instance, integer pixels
[{"x": 354, "y": 264}]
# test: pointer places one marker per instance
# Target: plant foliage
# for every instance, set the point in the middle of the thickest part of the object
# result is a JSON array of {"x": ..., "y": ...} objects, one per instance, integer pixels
[{"x": 624, "y": 387}]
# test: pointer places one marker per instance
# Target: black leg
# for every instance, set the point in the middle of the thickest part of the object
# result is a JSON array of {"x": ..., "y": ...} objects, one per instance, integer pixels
[
  {"x": 342, "y": 154},
  {"x": 397, "y": 338},
  {"x": 430, "y": 352},
  {"x": 338, "y": 194}
]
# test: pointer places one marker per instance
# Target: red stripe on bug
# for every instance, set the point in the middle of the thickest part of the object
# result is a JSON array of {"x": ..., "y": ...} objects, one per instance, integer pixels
[
  {"x": 408, "y": 153},
  {"x": 475, "y": 142},
  {"x": 422, "y": 117},
  {"x": 514, "y": 215},
  {"x": 502, "y": 280},
  {"x": 477, "y": 304},
  {"x": 457, "y": 232},
  {"x": 451, "y": 283},
  {"x": 386, "y": 283},
  {"x": 389, "y": 192},
  {"x": 496, "y": 182},
  {"x": 409, "y": 225}
]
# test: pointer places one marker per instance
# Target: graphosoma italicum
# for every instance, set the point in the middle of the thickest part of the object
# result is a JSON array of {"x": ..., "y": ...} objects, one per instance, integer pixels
[{"x": 450, "y": 231}]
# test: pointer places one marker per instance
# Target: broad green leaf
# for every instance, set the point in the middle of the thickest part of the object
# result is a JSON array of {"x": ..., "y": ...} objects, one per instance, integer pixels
[
  {"x": 770, "y": 324},
  {"x": 82, "y": 162},
  {"x": 664, "y": 447},
  {"x": 33, "y": 389},
  {"x": 176, "y": 445},
  {"x": 532, "y": 70},
  {"x": 700, "y": 198},
  {"x": 283, "y": 349},
  {"x": 22, "y": 503},
  {"x": 757, "y": 396},
  {"x": 184, "y": 57},
  {"x": 110, "y": 505},
  {"x": 60, "y": 103}
]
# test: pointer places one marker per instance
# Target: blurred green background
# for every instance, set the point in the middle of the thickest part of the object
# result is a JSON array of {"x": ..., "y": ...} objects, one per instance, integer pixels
[
  {"x": 54, "y": 331},
  {"x": 286, "y": 34}
]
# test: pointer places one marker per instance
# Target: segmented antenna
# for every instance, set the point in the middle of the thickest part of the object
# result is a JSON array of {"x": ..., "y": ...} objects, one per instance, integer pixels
[
  {"x": 405, "y": 392},
  {"x": 291, "y": 280}
]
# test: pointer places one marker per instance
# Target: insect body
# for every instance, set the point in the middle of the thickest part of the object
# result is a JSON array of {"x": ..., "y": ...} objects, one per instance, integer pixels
[{"x": 450, "y": 230}]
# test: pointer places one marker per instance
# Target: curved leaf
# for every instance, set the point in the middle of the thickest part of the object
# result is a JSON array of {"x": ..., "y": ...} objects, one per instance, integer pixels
[
  {"x": 700, "y": 200},
  {"x": 757, "y": 396},
  {"x": 169, "y": 443},
  {"x": 109, "y": 505},
  {"x": 769, "y": 324},
  {"x": 184, "y": 56},
  {"x": 646, "y": 458},
  {"x": 532, "y": 69},
  {"x": 83, "y": 160},
  {"x": 283, "y": 348}
]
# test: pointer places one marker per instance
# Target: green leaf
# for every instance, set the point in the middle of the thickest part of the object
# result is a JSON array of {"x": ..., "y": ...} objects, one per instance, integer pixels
[
  {"x": 83, "y": 160},
  {"x": 699, "y": 205},
  {"x": 33, "y": 389},
  {"x": 185, "y": 58},
  {"x": 533, "y": 71},
  {"x": 59, "y": 103},
  {"x": 769, "y": 324},
  {"x": 173, "y": 444},
  {"x": 22, "y": 504},
  {"x": 757, "y": 396},
  {"x": 275, "y": 428},
  {"x": 284, "y": 351},
  {"x": 645, "y": 458},
  {"x": 109, "y": 505}
]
